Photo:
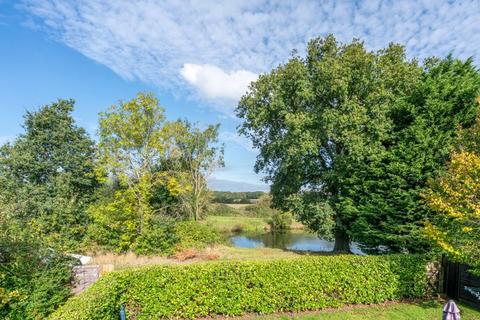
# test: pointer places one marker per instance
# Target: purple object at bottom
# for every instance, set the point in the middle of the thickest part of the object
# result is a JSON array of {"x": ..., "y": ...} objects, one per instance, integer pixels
[{"x": 451, "y": 311}]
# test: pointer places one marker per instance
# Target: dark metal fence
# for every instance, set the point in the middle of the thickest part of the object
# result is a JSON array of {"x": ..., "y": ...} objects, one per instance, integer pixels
[{"x": 460, "y": 284}]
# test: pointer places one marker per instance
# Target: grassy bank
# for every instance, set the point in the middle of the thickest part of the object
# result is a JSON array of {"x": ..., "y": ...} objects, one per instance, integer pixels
[{"x": 227, "y": 224}]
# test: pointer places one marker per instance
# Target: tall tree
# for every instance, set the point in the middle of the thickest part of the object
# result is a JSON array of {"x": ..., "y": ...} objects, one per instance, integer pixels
[
  {"x": 387, "y": 207},
  {"x": 317, "y": 121},
  {"x": 47, "y": 175},
  {"x": 348, "y": 137},
  {"x": 135, "y": 140},
  {"x": 199, "y": 155}
]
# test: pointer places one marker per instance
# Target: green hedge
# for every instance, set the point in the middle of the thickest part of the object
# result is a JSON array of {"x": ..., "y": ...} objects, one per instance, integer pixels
[{"x": 234, "y": 288}]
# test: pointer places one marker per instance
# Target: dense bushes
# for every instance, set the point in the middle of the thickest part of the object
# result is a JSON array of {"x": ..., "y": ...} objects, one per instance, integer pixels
[
  {"x": 280, "y": 221},
  {"x": 234, "y": 288},
  {"x": 191, "y": 234},
  {"x": 34, "y": 280}
]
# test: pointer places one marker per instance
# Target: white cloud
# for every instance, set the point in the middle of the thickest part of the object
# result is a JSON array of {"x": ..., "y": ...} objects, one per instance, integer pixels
[
  {"x": 232, "y": 40},
  {"x": 214, "y": 83}
]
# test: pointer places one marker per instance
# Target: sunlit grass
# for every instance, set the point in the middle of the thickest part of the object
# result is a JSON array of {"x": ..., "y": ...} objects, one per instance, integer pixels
[
  {"x": 428, "y": 310},
  {"x": 228, "y": 224},
  {"x": 239, "y": 223},
  {"x": 219, "y": 252}
]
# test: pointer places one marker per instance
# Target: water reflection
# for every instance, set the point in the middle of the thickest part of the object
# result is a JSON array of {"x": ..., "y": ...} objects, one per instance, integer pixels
[{"x": 292, "y": 241}]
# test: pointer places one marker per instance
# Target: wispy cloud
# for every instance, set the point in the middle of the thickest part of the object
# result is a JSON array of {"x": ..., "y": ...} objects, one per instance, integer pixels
[
  {"x": 227, "y": 136},
  {"x": 216, "y": 47}
]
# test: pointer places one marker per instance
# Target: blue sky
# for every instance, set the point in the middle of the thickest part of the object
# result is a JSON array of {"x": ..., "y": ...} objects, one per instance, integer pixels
[{"x": 197, "y": 56}]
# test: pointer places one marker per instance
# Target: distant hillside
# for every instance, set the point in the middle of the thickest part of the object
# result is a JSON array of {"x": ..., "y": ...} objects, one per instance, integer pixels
[{"x": 235, "y": 186}]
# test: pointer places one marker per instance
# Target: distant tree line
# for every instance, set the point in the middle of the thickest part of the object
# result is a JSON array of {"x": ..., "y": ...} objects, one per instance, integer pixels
[{"x": 236, "y": 197}]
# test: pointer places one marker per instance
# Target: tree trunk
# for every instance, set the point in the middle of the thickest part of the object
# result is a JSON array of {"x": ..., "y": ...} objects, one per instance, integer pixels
[{"x": 342, "y": 241}]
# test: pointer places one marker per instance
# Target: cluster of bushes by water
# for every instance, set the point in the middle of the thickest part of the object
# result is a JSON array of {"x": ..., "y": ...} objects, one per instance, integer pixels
[{"x": 235, "y": 288}]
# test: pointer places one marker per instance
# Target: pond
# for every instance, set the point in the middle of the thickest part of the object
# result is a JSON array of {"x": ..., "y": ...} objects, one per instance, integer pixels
[{"x": 290, "y": 241}]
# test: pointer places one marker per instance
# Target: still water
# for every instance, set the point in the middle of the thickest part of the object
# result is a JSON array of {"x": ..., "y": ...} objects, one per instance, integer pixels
[{"x": 291, "y": 241}]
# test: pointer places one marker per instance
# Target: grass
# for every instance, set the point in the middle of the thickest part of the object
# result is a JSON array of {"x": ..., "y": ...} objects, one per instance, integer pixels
[
  {"x": 427, "y": 310},
  {"x": 239, "y": 206},
  {"x": 131, "y": 260},
  {"x": 228, "y": 224}
]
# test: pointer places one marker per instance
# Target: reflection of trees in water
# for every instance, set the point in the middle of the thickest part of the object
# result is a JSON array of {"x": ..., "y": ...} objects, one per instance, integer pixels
[{"x": 279, "y": 240}]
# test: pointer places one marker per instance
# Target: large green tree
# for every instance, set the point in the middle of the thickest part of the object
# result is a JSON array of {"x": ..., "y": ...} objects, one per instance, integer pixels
[
  {"x": 135, "y": 143},
  {"x": 47, "y": 176},
  {"x": 155, "y": 173},
  {"x": 348, "y": 137},
  {"x": 386, "y": 203}
]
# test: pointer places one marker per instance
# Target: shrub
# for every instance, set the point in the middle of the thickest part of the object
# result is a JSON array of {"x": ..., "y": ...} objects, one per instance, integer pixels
[
  {"x": 220, "y": 209},
  {"x": 159, "y": 239},
  {"x": 34, "y": 280},
  {"x": 280, "y": 221},
  {"x": 193, "y": 235},
  {"x": 234, "y": 288}
]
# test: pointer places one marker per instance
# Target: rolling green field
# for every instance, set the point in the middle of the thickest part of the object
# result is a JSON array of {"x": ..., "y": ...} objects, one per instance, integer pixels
[{"x": 429, "y": 310}]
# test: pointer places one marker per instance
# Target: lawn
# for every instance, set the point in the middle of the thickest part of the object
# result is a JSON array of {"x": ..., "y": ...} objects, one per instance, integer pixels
[{"x": 429, "y": 310}]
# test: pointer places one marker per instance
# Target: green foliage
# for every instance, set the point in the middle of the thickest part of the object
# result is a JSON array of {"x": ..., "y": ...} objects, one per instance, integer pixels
[
  {"x": 154, "y": 172},
  {"x": 235, "y": 197},
  {"x": 220, "y": 209},
  {"x": 47, "y": 176},
  {"x": 405, "y": 310},
  {"x": 135, "y": 144},
  {"x": 99, "y": 302},
  {"x": 455, "y": 198},
  {"x": 160, "y": 239},
  {"x": 263, "y": 208},
  {"x": 358, "y": 133},
  {"x": 198, "y": 155},
  {"x": 34, "y": 280},
  {"x": 315, "y": 213},
  {"x": 116, "y": 227},
  {"x": 386, "y": 205},
  {"x": 191, "y": 234},
  {"x": 235, "y": 288},
  {"x": 259, "y": 210},
  {"x": 280, "y": 221}
]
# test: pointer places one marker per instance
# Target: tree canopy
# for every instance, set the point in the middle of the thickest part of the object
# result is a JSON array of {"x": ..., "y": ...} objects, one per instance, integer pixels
[
  {"x": 154, "y": 172},
  {"x": 348, "y": 137},
  {"x": 455, "y": 197},
  {"x": 47, "y": 175}
]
